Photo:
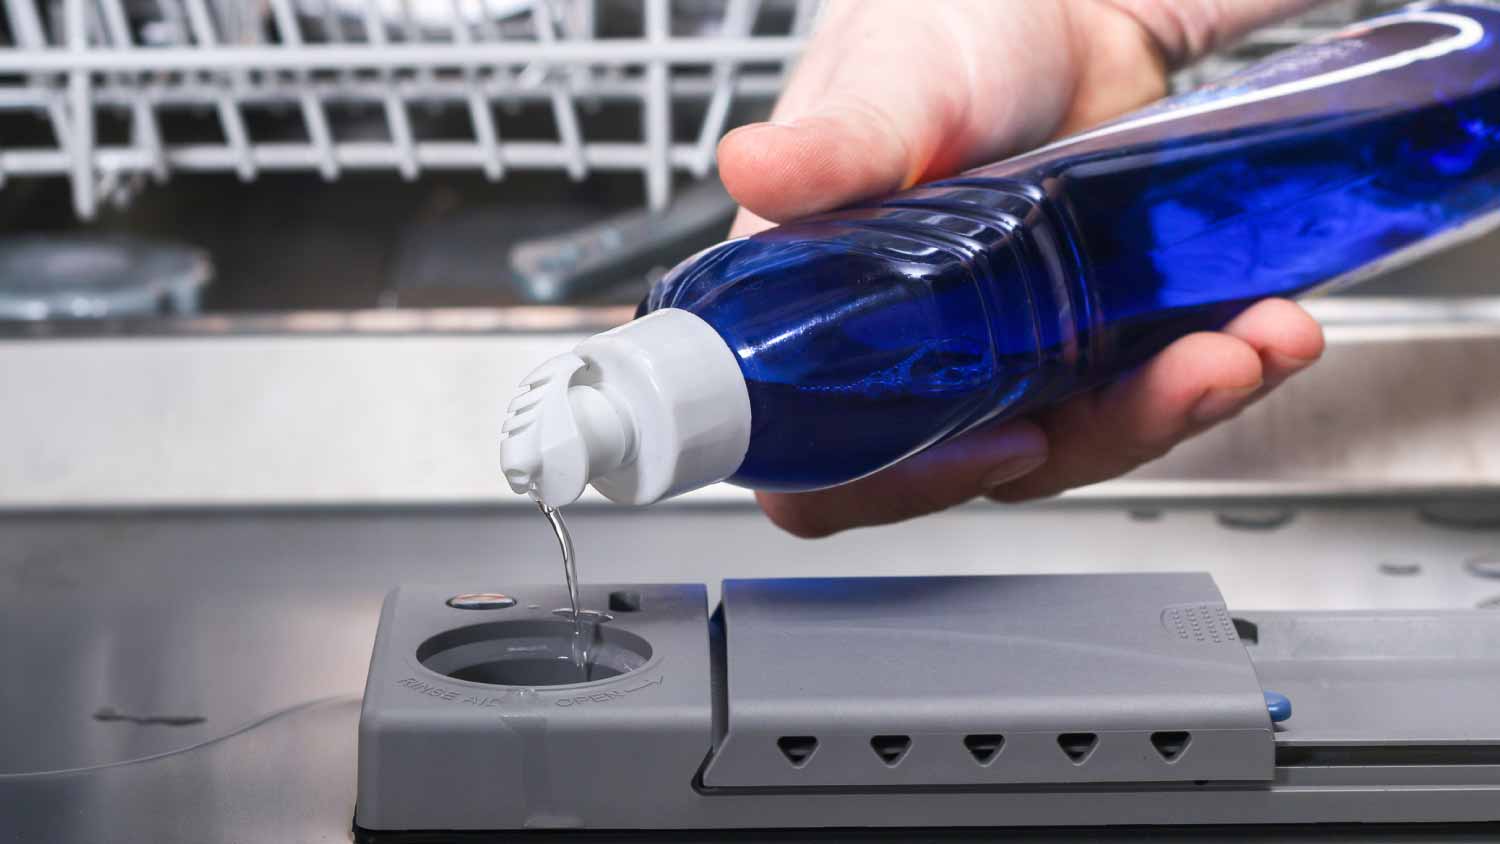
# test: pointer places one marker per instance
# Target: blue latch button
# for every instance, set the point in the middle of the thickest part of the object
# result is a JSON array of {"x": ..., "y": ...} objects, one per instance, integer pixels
[{"x": 1279, "y": 706}]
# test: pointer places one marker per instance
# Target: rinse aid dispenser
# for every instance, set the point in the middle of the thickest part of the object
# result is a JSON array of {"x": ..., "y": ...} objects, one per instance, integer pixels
[{"x": 963, "y": 704}]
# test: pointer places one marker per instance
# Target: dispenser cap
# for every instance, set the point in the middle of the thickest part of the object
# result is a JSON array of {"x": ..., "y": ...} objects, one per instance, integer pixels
[{"x": 645, "y": 411}]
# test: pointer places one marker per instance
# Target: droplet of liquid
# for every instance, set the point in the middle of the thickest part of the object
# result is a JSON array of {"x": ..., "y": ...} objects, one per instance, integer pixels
[{"x": 582, "y": 628}]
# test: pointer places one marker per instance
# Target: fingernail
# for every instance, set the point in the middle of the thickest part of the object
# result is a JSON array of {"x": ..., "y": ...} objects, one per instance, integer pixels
[
  {"x": 764, "y": 125},
  {"x": 1013, "y": 468},
  {"x": 1218, "y": 405},
  {"x": 749, "y": 129}
]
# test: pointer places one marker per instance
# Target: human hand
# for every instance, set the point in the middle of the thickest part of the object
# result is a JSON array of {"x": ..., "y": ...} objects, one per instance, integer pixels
[{"x": 892, "y": 93}]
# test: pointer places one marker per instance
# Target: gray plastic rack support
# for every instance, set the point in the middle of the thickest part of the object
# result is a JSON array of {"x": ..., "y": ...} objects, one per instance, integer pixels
[{"x": 977, "y": 702}]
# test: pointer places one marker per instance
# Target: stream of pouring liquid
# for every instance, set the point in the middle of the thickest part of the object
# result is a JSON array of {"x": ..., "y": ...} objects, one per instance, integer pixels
[{"x": 580, "y": 649}]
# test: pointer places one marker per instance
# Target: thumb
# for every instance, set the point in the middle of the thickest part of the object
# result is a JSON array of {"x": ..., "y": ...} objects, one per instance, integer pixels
[{"x": 891, "y": 93}]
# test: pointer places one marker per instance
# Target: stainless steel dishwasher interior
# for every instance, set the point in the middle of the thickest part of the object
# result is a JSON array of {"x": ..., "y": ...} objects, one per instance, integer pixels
[
  {"x": 200, "y": 516},
  {"x": 200, "y": 519}
]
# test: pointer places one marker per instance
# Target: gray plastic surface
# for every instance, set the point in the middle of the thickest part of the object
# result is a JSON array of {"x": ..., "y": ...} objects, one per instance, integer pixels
[
  {"x": 440, "y": 753},
  {"x": 1384, "y": 681},
  {"x": 1394, "y": 713},
  {"x": 923, "y": 663}
]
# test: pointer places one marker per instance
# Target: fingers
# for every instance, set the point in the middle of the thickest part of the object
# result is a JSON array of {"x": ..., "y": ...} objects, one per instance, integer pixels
[
  {"x": 875, "y": 107},
  {"x": 1197, "y": 382},
  {"x": 942, "y": 477},
  {"x": 1285, "y": 336}
]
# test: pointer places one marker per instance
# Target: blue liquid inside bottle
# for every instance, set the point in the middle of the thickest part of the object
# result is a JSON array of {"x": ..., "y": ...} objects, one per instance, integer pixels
[{"x": 871, "y": 333}]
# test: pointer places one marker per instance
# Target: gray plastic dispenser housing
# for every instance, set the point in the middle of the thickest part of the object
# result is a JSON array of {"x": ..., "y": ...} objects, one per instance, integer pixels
[{"x": 942, "y": 702}]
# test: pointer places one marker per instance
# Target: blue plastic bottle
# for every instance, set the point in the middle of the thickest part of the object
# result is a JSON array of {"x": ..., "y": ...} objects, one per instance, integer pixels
[{"x": 868, "y": 334}]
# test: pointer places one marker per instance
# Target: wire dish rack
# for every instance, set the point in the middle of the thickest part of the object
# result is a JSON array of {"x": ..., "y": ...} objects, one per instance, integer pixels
[
  {"x": 131, "y": 89},
  {"x": 113, "y": 93}
]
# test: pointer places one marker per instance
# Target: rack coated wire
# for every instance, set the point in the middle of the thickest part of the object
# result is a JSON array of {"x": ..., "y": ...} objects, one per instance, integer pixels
[
  {"x": 138, "y": 61},
  {"x": 106, "y": 77}
]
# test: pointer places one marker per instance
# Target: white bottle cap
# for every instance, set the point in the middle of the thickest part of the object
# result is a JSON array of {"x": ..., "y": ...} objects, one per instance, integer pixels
[{"x": 648, "y": 410}]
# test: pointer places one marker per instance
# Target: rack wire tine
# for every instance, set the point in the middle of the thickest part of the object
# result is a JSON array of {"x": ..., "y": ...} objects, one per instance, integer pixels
[
  {"x": 502, "y": 77},
  {"x": 657, "y": 110},
  {"x": 26, "y": 28},
  {"x": 173, "y": 15},
  {"x": 412, "y": 29},
  {"x": 94, "y": 31},
  {"x": 26, "y": 24},
  {"x": 85, "y": 189},
  {"x": 739, "y": 21},
  {"x": 242, "y": 58},
  {"x": 483, "y": 119},
  {"x": 313, "y": 115},
  {"x": 804, "y": 15},
  {"x": 564, "y": 111},
  {"x": 233, "y": 123},
  {"x": 333, "y": 24},
  {"x": 579, "y": 22},
  {"x": 333, "y": 31},
  {"x": 396, "y": 118},
  {"x": 145, "y": 132},
  {"x": 489, "y": 26}
]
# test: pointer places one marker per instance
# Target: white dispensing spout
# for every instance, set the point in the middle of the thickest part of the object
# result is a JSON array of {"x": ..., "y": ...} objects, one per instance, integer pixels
[
  {"x": 557, "y": 436},
  {"x": 648, "y": 410}
]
